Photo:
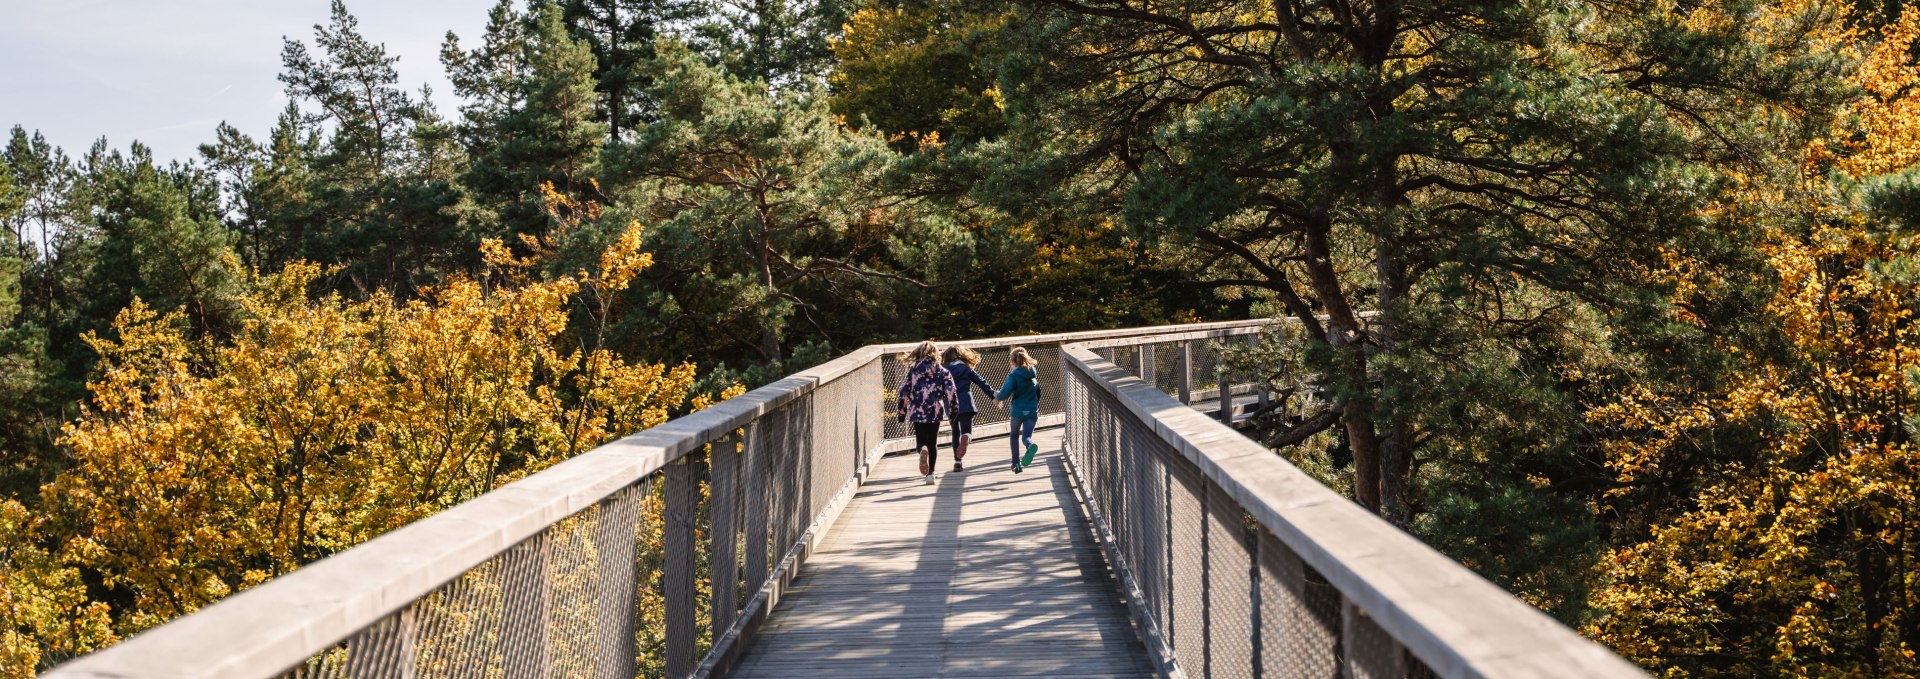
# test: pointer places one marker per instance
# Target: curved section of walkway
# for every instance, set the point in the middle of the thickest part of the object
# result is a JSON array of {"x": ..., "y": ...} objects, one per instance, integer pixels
[{"x": 984, "y": 574}]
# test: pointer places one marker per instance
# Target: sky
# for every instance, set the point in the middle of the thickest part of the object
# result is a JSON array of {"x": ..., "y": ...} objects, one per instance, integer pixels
[{"x": 166, "y": 72}]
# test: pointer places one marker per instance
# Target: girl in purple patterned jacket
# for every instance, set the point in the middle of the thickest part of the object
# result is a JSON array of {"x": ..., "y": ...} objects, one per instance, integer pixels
[{"x": 926, "y": 397}]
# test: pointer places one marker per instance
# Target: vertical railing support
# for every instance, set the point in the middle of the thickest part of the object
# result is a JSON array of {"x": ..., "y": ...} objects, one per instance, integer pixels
[
  {"x": 1260, "y": 383},
  {"x": 1146, "y": 363},
  {"x": 753, "y": 491},
  {"x": 679, "y": 576},
  {"x": 725, "y": 467},
  {"x": 615, "y": 530},
  {"x": 1183, "y": 374},
  {"x": 527, "y": 609}
]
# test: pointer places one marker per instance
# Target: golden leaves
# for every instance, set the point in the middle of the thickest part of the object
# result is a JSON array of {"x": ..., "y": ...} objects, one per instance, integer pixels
[
  {"x": 200, "y": 470},
  {"x": 1769, "y": 563}
]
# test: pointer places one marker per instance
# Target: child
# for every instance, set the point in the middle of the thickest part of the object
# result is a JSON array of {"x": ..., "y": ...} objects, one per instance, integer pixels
[
  {"x": 1023, "y": 388},
  {"x": 960, "y": 363},
  {"x": 925, "y": 399}
]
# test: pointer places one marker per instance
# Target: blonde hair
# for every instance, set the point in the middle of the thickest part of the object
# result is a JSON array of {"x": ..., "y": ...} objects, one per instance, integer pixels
[
  {"x": 1019, "y": 358},
  {"x": 925, "y": 350},
  {"x": 971, "y": 357}
]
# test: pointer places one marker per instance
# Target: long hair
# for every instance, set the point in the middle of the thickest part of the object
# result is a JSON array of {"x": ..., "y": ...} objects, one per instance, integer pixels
[
  {"x": 968, "y": 356},
  {"x": 1020, "y": 358},
  {"x": 926, "y": 350}
]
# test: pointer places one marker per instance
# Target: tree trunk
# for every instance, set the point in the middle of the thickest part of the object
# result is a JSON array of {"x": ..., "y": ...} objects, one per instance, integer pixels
[
  {"x": 1343, "y": 334},
  {"x": 1396, "y": 443}
]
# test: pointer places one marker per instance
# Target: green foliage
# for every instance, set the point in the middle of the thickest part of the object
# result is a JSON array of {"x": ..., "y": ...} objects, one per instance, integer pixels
[
  {"x": 768, "y": 217},
  {"x": 530, "y": 118},
  {"x": 622, "y": 35},
  {"x": 383, "y": 190},
  {"x": 782, "y": 44},
  {"x": 919, "y": 69}
]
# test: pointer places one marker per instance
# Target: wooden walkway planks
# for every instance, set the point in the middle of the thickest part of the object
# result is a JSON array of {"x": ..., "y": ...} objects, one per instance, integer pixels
[{"x": 984, "y": 574}]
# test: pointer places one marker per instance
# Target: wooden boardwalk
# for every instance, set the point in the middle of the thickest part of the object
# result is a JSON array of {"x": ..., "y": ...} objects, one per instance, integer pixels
[{"x": 984, "y": 574}]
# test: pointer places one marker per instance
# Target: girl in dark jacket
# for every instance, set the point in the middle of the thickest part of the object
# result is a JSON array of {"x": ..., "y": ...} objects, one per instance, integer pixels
[{"x": 960, "y": 363}]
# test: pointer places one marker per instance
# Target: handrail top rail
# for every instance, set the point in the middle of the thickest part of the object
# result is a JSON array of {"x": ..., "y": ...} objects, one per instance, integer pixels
[
  {"x": 1453, "y": 619},
  {"x": 1086, "y": 336},
  {"x": 291, "y": 617}
]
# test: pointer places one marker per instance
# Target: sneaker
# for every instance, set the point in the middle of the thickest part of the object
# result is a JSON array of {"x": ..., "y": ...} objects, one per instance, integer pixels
[
  {"x": 1032, "y": 448},
  {"x": 960, "y": 449},
  {"x": 929, "y": 478},
  {"x": 958, "y": 468},
  {"x": 1016, "y": 466},
  {"x": 926, "y": 464}
]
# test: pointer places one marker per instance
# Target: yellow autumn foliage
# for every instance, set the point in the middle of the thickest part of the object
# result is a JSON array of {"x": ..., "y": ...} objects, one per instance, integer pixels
[
  {"x": 198, "y": 470},
  {"x": 1797, "y": 554}
]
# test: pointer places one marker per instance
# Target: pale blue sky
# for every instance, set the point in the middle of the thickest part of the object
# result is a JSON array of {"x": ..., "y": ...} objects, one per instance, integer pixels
[{"x": 166, "y": 72}]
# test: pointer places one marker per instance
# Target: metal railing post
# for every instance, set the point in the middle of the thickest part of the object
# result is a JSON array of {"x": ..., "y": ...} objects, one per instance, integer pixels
[
  {"x": 753, "y": 465},
  {"x": 1183, "y": 374},
  {"x": 679, "y": 576},
  {"x": 724, "y": 469},
  {"x": 1259, "y": 384},
  {"x": 1146, "y": 362}
]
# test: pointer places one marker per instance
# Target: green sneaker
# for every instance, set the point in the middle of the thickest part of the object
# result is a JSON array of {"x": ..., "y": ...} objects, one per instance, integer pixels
[{"x": 1032, "y": 448}]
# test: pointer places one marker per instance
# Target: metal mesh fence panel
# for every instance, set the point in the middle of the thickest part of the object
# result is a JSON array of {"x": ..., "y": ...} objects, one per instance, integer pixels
[
  {"x": 1206, "y": 365},
  {"x": 1299, "y": 615},
  {"x": 644, "y": 582},
  {"x": 540, "y": 608},
  {"x": 1224, "y": 596},
  {"x": 1187, "y": 565},
  {"x": 1230, "y": 589}
]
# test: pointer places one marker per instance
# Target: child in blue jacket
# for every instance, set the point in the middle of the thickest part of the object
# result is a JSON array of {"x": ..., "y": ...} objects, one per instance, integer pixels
[
  {"x": 960, "y": 362},
  {"x": 1022, "y": 388}
]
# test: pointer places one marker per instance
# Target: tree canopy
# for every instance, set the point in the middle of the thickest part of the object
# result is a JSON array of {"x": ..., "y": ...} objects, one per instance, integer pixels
[{"x": 1613, "y": 302}]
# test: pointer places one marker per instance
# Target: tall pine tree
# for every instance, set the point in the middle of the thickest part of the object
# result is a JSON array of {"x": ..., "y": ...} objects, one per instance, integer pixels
[
  {"x": 530, "y": 115},
  {"x": 1495, "y": 178},
  {"x": 383, "y": 193}
]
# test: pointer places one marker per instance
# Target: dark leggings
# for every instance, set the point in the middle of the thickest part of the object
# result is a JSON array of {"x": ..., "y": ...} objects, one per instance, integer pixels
[
  {"x": 927, "y": 435},
  {"x": 962, "y": 424}
]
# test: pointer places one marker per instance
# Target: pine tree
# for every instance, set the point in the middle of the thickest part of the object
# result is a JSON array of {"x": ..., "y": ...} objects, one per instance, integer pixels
[
  {"x": 379, "y": 207},
  {"x": 622, "y": 34},
  {"x": 781, "y": 44},
  {"x": 530, "y": 117},
  {"x": 770, "y": 219},
  {"x": 149, "y": 242},
  {"x": 1495, "y": 179}
]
